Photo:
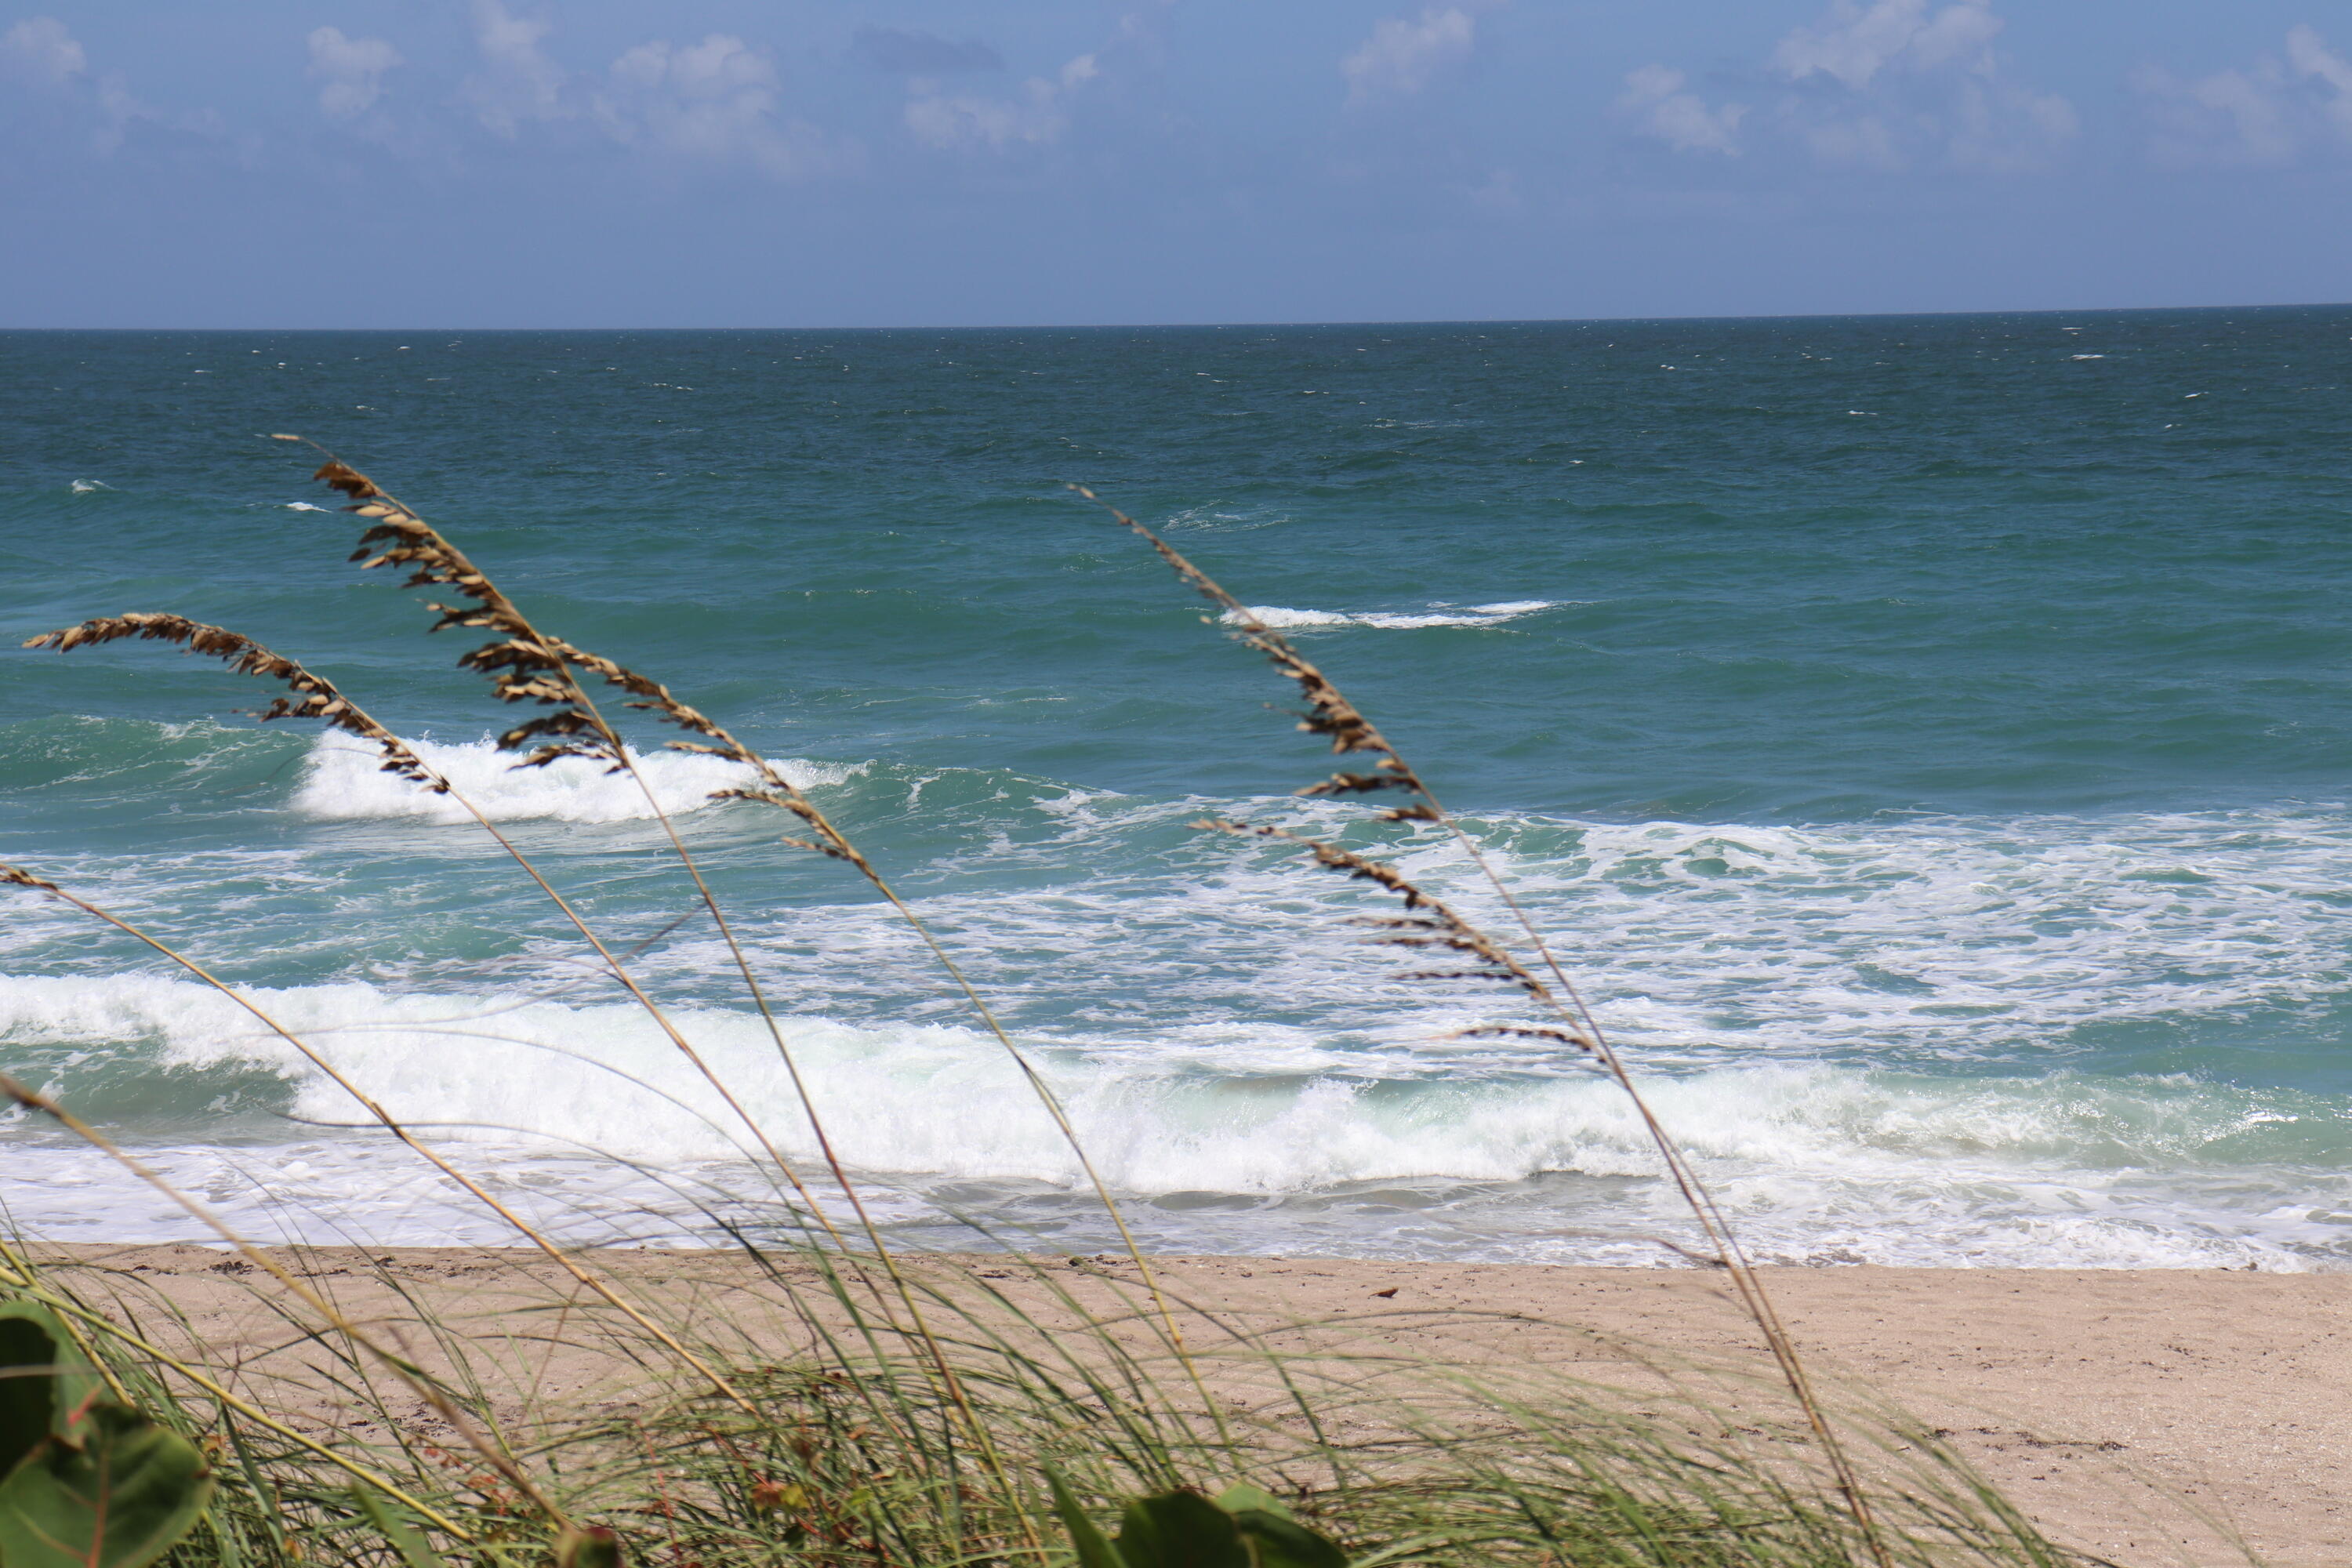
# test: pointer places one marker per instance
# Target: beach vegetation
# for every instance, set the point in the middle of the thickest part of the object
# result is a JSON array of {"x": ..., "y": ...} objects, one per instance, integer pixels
[
  {"x": 816, "y": 1393},
  {"x": 86, "y": 1480}
]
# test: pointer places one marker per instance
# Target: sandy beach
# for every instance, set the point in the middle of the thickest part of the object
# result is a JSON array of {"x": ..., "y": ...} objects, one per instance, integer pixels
[{"x": 2111, "y": 1405}]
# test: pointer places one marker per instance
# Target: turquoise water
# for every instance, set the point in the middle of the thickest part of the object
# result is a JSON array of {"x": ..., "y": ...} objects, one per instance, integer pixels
[{"x": 1926, "y": 738}]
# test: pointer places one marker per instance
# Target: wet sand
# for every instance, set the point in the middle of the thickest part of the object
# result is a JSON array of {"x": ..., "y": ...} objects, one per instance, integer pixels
[{"x": 2102, "y": 1402}]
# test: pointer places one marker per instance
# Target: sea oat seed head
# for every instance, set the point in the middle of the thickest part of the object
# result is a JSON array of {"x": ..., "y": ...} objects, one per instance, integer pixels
[
  {"x": 1530, "y": 1032},
  {"x": 341, "y": 476},
  {"x": 316, "y": 697}
]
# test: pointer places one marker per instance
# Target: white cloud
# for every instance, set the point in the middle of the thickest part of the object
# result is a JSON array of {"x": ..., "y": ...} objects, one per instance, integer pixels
[
  {"x": 1854, "y": 44},
  {"x": 2268, "y": 112},
  {"x": 1402, "y": 56},
  {"x": 2251, "y": 102},
  {"x": 1037, "y": 117},
  {"x": 349, "y": 70},
  {"x": 42, "y": 46},
  {"x": 1894, "y": 84},
  {"x": 713, "y": 100},
  {"x": 1654, "y": 99},
  {"x": 104, "y": 106},
  {"x": 718, "y": 101},
  {"x": 2309, "y": 57},
  {"x": 1873, "y": 85},
  {"x": 518, "y": 83},
  {"x": 706, "y": 97}
]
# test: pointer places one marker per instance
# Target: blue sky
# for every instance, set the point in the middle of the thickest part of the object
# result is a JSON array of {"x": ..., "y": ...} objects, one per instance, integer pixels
[{"x": 796, "y": 162}]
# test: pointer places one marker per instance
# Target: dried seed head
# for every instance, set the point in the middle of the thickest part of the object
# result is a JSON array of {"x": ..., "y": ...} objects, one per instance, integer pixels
[
  {"x": 526, "y": 665},
  {"x": 1329, "y": 713},
  {"x": 522, "y": 665},
  {"x": 1568, "y": 1037},
  {"x": 1432, "y": 923},
  {"x": 1438, "y": 926},
  {"x": 24, "y": 879},
  {"x": 314, "y": 697},
  {"x": 348, "y": 479}
]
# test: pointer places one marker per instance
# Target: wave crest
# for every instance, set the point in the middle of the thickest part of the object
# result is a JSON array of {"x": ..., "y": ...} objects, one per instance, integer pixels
[
  {"x": 1282, "y": 618},
  {"x": 2056, "y": 1171},
  {"x": 341, "y": 781}
]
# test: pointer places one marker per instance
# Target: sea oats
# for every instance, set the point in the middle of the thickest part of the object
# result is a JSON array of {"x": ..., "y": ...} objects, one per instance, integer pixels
[
  {"x": 1435, "y": 924},
  {"x": 314, "y": 697},
  {"x": 375, "y": 1109}
]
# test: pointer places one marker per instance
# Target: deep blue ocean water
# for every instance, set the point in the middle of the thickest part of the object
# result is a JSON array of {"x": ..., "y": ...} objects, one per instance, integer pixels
[{"x": 1926, "y": 739}]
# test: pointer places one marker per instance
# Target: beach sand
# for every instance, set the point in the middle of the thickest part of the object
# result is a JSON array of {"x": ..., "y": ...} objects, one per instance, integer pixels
[{"x": 2103, "y": 1403}]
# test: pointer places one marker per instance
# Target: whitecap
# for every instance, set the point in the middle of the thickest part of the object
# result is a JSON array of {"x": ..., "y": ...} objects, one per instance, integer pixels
[
  {"x": 1284, "y": 619},
  {"x": 1281, "y": 617},
  {"x": 305, "y": 506},
  {"x": 1811, "y": 1161},
  {"x": 944, "y": 1100},
  {"x": 342, "y": 780},
  {"x": 84, "y": 486},
  {"x": 1413, "y": 622}
]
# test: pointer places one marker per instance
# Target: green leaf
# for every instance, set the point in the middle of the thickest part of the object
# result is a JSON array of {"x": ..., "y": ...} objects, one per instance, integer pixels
[
  {"x": 114, "y": 1490},
  {"x": 1094, "y": 1550},
  {"x": 592, "y": 1547},
  {"x": 29, "y": 1387},
  {"x": 1278, "y": 1541},
  {"x": 43, "y": 1380},
  {"x": 397, "y": 1530},
  {"x": 1179, "y": 1530},
  {"x": 1244, "y": 1526},
  {"x": 1241, "y": 1495}
]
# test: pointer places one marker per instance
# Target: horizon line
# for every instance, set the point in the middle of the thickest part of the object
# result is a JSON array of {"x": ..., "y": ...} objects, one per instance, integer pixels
[{"x": 1265, "y": 325}]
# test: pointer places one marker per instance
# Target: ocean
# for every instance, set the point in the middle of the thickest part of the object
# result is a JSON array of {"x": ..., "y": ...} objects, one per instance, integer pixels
[{"x": 1928, "y": 742}]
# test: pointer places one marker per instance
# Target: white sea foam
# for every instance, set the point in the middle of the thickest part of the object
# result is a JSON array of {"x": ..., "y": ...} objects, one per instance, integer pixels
[
  {"x": 342, "y": 780},
  {"x": 1945, "y": 937},
  {"x": 1882, "y": 1040},
  {"x": 84, "y": 486},
  {"x": 306, "y": 506},
  {"x": 1282, "y": 618},
  {"x": 1926, "y": 942},
  {"x": 1815, "y": 1162}
]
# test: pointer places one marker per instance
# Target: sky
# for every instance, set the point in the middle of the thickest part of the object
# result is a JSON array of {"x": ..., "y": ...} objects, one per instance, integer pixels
[{"x": 485, "y": 164}]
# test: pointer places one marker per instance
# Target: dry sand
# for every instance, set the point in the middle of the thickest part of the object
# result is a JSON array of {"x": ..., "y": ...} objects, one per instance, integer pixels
[{"x": 2090, "y": 1397}]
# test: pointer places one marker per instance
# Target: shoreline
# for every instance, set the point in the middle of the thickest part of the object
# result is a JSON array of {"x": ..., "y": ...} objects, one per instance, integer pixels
[{"x": 2112, "y": 1406}]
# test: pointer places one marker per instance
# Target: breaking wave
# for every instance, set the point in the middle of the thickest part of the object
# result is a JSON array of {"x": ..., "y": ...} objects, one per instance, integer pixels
[
  {"x": 1857, "y": 1163},
  {"x": 342, "y": 780},
  {"x": 1282, "y": 619}
]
